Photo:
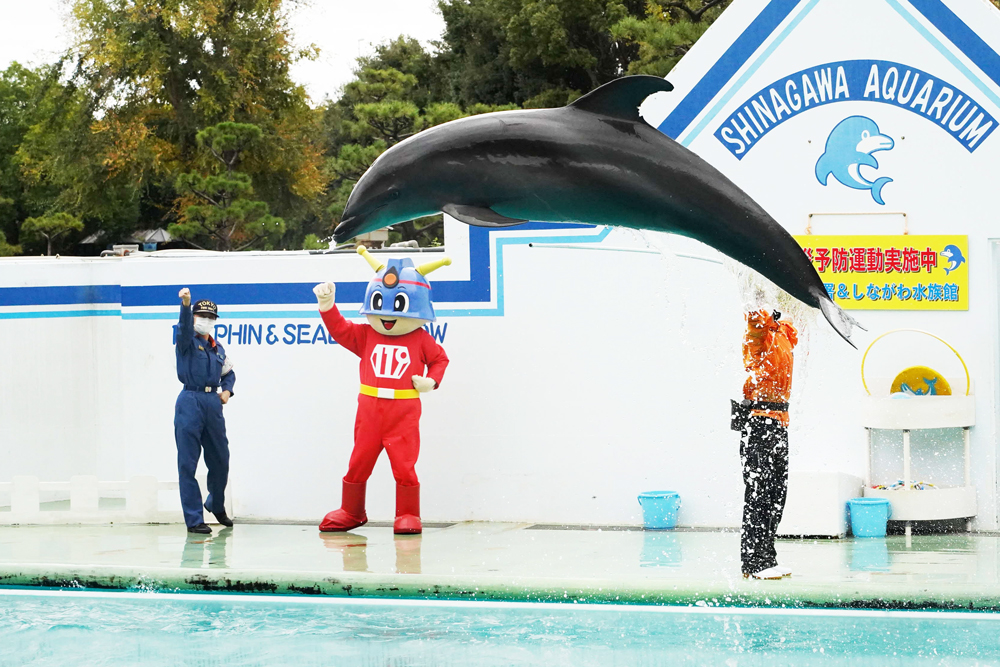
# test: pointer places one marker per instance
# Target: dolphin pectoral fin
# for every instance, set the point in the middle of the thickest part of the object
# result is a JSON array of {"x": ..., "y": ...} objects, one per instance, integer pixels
[
  {"x": 480, "y": 216},
  {"x": 621, "y": 98},
  {"x": 866, "y": 159},
  {"x": 877, "y": 188}
]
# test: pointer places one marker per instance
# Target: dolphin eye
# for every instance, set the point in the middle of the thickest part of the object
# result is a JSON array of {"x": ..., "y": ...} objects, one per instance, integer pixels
[
  {"x": 377, "y": 301},
  {"x": 401, "y": 303},
  {"x": 395, "y": 194},
  {"x": 865, "y": 134}
]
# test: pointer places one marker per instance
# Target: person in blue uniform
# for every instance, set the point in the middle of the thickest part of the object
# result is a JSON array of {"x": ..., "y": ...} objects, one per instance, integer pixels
[{"x": 203, "y": 367}]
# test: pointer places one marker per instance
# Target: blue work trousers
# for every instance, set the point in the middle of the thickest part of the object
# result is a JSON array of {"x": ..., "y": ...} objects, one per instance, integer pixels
[{"x": 198, "y": 424}]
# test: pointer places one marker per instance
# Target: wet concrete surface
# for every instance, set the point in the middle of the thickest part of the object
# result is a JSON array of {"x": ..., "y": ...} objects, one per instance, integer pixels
[{"x": 505, "y": 561}]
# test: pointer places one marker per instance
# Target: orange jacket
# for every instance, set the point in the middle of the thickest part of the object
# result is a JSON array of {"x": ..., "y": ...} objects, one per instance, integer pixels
[{"x": 767, "y": 356}]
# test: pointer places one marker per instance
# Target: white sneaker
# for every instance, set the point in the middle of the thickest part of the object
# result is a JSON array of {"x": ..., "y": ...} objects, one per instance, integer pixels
[
  {"x": 784, "y": 571},
  {"x": 769, "y": 573}
]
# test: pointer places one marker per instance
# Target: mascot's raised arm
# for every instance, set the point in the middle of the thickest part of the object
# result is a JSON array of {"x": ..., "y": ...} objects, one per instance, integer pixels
[{"x": 399, "y": 361}]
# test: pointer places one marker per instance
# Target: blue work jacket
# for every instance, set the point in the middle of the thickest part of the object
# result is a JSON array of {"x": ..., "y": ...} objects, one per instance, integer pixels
[{"x": 200, "y": 362}]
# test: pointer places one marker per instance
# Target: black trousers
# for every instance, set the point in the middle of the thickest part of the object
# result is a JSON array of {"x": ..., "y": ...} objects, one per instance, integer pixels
[{"x": 764, "y": 454}]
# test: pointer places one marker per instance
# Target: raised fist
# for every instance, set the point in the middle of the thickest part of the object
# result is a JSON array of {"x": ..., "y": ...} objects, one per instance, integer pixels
[
  {"x": 185, "y": 295},
  {"x": 325, "y": 293}
]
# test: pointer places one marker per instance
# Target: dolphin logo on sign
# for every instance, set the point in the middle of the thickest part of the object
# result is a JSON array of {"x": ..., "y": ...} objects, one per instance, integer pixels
[
  {"x": 850, "y": 147},
  {"x": 954, "y": 257}
]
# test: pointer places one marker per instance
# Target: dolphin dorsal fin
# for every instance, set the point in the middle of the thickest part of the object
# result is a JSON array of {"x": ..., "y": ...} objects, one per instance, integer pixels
[{"x": 621, "y": 98}]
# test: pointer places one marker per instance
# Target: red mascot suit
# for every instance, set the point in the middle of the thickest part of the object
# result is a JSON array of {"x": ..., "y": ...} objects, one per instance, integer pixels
[{"x": 399, "y": 361}]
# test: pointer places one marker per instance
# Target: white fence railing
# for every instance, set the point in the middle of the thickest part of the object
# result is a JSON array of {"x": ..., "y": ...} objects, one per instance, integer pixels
[{"x": 141, "y": 494}]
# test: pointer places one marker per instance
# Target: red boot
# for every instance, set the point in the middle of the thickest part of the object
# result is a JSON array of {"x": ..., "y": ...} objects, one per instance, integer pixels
[
  {"x": 351, "y": 513},
  {"x": 407, "y": 510}
]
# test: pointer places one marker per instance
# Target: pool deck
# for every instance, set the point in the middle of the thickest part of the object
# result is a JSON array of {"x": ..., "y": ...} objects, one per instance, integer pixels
[{"x": 502, "y": 561}]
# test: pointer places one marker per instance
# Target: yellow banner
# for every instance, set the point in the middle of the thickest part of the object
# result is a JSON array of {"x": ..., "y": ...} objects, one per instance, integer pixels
[{"x": 869, "y": 272}]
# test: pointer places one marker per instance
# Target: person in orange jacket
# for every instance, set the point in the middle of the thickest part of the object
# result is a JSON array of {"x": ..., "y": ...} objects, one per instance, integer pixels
[{"x": 763, "y": 423}]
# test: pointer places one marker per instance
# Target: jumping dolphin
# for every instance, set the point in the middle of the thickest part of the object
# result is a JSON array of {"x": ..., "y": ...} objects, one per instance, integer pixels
[
  {"x": 593, "y": 161},
  {"x": 849, "y": 146}
]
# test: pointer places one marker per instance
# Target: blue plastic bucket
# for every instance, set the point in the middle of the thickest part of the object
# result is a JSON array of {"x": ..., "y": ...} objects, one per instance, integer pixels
[
  {"x": 659, "y": 509},
  {"x": 869, "y": 516}
]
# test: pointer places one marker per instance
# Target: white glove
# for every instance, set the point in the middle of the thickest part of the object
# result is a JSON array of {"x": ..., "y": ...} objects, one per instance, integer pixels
[
  {"x": 185, "y": 296},
  {"x": 325, "y": 293},
  {"x": 422, "y": 384}
]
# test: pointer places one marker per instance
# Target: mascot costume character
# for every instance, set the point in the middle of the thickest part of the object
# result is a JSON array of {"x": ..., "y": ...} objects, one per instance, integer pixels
[{"x": 399, "y": 361}]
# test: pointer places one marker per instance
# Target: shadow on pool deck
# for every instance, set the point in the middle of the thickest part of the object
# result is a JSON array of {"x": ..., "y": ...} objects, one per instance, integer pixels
[{"x": 503, "y": 561}]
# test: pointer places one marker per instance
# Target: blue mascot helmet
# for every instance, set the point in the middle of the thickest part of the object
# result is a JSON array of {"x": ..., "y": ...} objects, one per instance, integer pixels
[{"x": 399, "y": 289}]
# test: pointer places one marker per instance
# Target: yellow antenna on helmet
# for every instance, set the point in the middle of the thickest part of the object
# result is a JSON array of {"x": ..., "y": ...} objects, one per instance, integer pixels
[
  {"x": 374, "y": 263},
  {"x": 424, "y": 269}
]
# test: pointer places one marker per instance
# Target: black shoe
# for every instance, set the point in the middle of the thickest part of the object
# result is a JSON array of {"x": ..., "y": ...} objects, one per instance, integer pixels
[
  {"x": 221, "y": 517},
  {"x": 201, "y": 529}
]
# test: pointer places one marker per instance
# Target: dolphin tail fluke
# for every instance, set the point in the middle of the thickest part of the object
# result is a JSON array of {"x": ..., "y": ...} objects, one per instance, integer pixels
[
  {"x": 842, "y": 322},
  {"x": 877, "y": 188}
]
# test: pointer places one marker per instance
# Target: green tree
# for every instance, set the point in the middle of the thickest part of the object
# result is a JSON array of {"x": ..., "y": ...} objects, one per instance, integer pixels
[
  {"x": 539, "y": 53},
  {"x": 511, "y": 51},
  {"x": 408, "y": 56},
  {"x": 147, "y": 74},
  {"x": 19, "y": 87},
  {"x": 666, "y": 33},
  {"x": 61, "y": 164},
  {"x": 50, "y": 227},
  {"x": 32, "y": 105},
  {"x": 312, "y": 242},
  {"x": 392, "y": 97},
  {"x": 221, "y": 212},
  {"x": 6, "y": 249}
]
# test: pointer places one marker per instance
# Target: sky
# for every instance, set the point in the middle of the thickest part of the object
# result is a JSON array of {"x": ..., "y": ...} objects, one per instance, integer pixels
[{"x": 34, "y": 32}]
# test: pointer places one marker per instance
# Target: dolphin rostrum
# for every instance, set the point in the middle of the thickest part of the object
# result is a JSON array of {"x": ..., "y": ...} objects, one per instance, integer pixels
[{"x": 593, "y": 161}]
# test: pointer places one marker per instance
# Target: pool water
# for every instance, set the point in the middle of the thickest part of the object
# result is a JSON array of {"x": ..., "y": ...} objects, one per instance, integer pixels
[{"x": 85, "y": 627}]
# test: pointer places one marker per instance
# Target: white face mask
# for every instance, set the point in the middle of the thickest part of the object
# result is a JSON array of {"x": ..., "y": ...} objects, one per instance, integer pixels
[{"x": 203, "y": 326}]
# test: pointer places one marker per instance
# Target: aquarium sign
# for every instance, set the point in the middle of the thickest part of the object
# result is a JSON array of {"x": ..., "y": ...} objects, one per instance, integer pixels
[{"x": 878, "y": 81}]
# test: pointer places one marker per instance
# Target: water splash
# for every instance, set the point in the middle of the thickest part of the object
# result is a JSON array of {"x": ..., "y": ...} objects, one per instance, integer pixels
[{"x": 758, "y": 293}]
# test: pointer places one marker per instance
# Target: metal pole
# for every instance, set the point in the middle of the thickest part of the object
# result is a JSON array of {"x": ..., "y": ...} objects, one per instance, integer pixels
[
  {"x": 868, "y": 468},
  {"x": 906, "y": 459},
  {"x": 968, "y": 457},
  {"x": 906, "y": 478}
]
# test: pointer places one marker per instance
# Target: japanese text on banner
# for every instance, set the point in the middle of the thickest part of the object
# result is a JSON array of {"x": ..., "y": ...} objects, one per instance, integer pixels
[{"x": 892, "y": 272}]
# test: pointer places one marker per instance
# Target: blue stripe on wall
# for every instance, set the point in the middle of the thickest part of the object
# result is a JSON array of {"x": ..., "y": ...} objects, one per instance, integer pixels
[
  {"x": 726, "y": 67},
  {"x": 236, "y": 294},
  {"x": 60, "y": 296},
  {"x": 48, "y": 314},
  {"x": 475, "y": 290},
  {"x": 961, "y": 35}
]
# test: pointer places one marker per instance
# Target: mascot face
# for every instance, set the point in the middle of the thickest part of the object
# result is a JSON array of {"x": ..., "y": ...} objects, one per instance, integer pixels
[{"x": 398, "y": 298}]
